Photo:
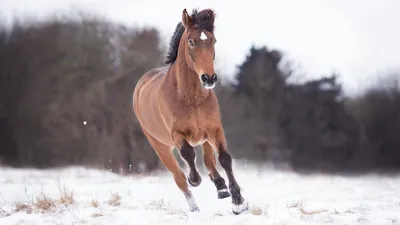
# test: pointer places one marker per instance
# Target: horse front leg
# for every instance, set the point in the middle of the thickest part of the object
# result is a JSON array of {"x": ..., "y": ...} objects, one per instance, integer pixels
[
  {"x": 211, "y": 163},
  {"x": 224, "y": 157},
  {"x": 188, "y": 154}
]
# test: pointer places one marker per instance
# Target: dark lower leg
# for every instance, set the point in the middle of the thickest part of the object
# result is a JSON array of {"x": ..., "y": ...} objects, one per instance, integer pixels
[
  {"x": 218, "y": 181},
  {"x": 226, "y": 162},
  {"x": 187, "y": 153},
  {"x": 210, "y": 162}
]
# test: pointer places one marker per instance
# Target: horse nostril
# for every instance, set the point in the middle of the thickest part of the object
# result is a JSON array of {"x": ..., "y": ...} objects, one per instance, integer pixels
[
  {"x": 204, "y": 78},
  {"x": 214, "y": 78}
]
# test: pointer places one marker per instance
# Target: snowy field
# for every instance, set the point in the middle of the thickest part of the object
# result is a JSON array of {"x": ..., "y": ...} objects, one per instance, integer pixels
[{"x": 85, "y": 196}]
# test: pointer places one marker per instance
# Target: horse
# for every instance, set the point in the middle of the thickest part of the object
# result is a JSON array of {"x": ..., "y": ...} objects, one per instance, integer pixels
[{"x": 176, "y": 107}]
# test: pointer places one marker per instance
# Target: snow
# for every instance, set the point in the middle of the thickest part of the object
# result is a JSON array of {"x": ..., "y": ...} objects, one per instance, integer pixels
[{"x": 275, "y": 197}]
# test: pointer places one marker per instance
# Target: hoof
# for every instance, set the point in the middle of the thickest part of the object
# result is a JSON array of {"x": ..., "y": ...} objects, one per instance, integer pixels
[
  {"x": 223, "y": 193},
  {"x": 191, "y": 202},
  {"x": 195, "y": 183},
  {"x": 194, "y": 209},
  {"x": 238, "y": 209}
]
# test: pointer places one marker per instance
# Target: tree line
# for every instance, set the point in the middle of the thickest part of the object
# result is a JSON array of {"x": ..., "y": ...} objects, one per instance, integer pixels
[{"x": 66, "y": 99}]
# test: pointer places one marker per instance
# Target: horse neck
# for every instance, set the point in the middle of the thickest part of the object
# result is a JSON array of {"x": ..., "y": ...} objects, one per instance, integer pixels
[{"x": 187, "y": 82}]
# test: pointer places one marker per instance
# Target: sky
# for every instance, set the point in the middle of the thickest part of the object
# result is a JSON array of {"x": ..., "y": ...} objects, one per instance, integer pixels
[{"x": 357, "y": 39}]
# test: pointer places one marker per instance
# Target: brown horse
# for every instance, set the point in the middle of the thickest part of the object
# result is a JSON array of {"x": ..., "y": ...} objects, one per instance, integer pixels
[{"x": 176, "y": 107}]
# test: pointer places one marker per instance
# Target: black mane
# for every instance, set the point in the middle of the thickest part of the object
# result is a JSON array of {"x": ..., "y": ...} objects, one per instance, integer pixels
[
  {"x": 174, "y": 44},
  {"x": 201, "y": 20}
]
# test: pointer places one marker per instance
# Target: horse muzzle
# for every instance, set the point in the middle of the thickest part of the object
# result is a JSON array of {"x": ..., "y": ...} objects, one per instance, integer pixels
[{"x": 207, "y": 81}]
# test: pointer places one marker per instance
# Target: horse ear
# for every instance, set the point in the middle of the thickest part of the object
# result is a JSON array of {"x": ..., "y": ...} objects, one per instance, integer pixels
[{"x": 186, "y": 19}]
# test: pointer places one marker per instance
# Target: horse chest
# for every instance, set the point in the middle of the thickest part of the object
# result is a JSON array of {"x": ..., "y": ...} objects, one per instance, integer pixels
[
  {"x": 193, "y": 123},
  {"x": 194, "y": 118},
  {"x": 195, "y": 135}
]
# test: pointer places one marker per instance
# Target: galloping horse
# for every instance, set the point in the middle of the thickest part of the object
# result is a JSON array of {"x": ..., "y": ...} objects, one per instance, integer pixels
[{"x": 176, "y": 107}]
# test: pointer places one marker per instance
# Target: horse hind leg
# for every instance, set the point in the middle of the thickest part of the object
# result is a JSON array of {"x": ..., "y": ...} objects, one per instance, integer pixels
[
  {"x": 164, "y": 153},
  {"x": 210, "y": 161}
]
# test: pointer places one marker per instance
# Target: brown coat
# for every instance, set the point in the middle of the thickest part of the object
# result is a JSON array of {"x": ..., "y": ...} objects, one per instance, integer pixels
[{"x": 176, "y": 107}]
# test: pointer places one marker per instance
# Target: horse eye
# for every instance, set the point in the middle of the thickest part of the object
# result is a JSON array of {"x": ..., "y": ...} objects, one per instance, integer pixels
[{"x": 191, "y": 43}]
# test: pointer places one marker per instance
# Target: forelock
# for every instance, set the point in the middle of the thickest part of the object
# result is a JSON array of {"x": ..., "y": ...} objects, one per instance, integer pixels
[{"x": 203, "y": 20}]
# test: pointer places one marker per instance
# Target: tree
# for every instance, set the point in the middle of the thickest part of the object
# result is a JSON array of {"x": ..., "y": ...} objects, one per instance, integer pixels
[{"x": 66, "y": 91}]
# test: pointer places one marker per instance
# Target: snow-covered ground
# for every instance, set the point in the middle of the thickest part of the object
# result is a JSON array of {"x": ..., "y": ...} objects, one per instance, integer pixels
[{"x": 275, "y": 198}]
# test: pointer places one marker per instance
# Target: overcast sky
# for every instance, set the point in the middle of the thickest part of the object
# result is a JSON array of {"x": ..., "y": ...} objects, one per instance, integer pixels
[{"x": 357, "y": 38}]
